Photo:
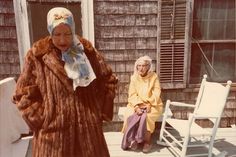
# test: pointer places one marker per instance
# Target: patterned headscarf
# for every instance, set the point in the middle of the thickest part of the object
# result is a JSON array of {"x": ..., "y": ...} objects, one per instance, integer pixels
[
  {"x": 60, "y": 15},
  {"x": 143, "y": 60},
  {"x": 77, "y": 65}
]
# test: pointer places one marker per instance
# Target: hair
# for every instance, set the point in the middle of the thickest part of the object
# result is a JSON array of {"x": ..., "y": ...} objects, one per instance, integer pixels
[{"x": 143, "y": 59}]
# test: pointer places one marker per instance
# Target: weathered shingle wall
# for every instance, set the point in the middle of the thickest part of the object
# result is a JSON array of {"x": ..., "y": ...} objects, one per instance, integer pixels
[
  {"x": 9, "y": 57},
  {"x": 124, "y": 31}
]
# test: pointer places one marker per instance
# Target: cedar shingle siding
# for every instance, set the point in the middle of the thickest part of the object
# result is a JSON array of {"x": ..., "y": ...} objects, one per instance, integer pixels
[
  {"x": 124, "y": 30},
  {"x": 9, "y": 57}
]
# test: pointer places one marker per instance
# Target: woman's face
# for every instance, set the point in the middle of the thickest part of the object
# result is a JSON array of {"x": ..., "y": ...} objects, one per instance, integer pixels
[
  {"x": 62, "y": 37},
  {"x": 142, "y": 68}
]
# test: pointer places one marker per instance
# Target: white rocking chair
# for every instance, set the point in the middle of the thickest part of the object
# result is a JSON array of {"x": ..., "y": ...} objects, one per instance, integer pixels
[{"x": 181, "y": 135}]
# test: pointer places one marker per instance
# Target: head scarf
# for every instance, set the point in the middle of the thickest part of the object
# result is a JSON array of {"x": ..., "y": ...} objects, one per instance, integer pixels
[
  {"x": 77, "y": 65},
  {"x": 143, "y": 60},
  {"x": 60, "y": 15}
]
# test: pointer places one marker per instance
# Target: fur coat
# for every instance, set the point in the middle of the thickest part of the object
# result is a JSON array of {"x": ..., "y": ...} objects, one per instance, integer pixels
[{"x": 65, "y": 123}]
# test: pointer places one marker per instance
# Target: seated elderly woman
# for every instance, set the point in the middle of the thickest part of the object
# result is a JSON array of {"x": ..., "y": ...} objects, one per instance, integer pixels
[{"x": 144, "y": 106}]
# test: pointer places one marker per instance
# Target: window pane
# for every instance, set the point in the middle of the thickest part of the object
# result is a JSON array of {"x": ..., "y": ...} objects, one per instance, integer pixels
[
  {"x": 200, "y": 19},
  {"x": 217, "y": 9},
  {"x": 230, "y": 26},
  {"x": 231, "y": 10},
  {"x": 199, "y": 65},
  {"x": 224, "y": 62},
  {"x": 201, "y": 10},
  {"x": 216, "y": 32},
  {"x": 212, "y": 17},
  {"x": 220, "y": 56},
  {"x": 199, "y": 31}
]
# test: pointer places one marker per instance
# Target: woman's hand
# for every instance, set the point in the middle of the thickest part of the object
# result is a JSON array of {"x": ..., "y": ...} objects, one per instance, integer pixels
[
  {"x": 138, "y": 110},
  {"x": 147, "y": 106}
]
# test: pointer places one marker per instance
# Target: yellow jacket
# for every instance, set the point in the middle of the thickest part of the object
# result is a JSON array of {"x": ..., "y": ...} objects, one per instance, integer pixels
[{"x": 145, "y": 89}]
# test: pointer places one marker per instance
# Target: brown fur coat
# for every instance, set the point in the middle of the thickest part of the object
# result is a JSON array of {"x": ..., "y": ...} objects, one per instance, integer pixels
[{"x": 65, "y": 123}]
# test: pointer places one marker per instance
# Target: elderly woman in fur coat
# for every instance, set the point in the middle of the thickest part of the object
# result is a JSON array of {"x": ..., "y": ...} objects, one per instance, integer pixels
[{"x": 65, "y": 92}]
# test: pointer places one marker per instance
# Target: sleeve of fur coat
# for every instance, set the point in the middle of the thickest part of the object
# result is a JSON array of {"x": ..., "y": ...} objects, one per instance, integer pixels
[
  {"x": 27, "y": 95},
  {"x": 106, "y": 80},
  {"x": 109, "y": 82}
]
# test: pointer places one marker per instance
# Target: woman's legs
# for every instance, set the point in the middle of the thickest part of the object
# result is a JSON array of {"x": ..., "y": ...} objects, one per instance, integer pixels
[
  {"x": 147, "y": 137},
  {"x": 147, "y": 142}
]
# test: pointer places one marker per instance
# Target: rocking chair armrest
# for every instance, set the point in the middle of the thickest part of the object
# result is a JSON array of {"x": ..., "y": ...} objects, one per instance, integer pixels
[{"x": 181, "y": 104}]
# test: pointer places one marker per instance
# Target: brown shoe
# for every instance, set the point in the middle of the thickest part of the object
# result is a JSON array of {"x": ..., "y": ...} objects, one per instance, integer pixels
[
  {"x": 147, "y": 147},
  {"x": 134, "y": 145}
]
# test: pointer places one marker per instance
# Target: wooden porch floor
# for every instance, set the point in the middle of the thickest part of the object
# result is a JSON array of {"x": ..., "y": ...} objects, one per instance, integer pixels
[{"x": 226, "y": 141}]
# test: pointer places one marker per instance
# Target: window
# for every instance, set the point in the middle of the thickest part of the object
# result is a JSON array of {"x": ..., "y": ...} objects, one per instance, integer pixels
[{"x": 214, "y": 42}]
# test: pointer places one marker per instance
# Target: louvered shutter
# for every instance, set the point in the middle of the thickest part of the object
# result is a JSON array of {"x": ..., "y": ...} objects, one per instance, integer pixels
[{"x": 173, "y": 42}]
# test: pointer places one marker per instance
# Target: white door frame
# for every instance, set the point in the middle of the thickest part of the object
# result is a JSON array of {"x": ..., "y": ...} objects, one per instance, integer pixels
[{"x": 22, "y": 24}]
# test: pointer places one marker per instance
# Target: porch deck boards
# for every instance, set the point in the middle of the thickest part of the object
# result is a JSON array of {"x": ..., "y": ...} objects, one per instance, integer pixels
[{"x": 226, "y": 141}]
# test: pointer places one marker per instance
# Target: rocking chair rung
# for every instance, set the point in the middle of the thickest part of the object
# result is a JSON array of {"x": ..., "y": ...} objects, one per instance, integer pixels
[
  {"x": 173, "y": 138},
  {"x": 176, "y": 150},
  {"x": 198, "y": 145},
  {"x": 203, "y": 154}
]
